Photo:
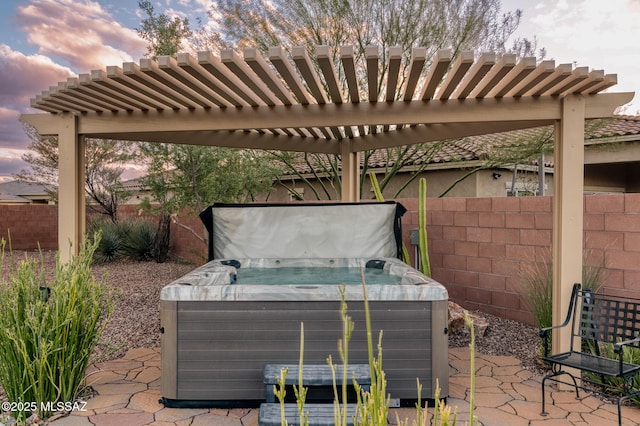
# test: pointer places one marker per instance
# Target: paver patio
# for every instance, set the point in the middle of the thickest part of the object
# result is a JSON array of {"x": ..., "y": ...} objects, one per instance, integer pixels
[{"x": 506, "y": 394}]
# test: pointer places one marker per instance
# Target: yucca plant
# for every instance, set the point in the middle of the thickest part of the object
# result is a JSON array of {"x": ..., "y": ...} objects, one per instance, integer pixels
[
  {"x": 49, "y": 328},
  {"x": 109, "y": 246},
  {"x": 138, "y": 243}
]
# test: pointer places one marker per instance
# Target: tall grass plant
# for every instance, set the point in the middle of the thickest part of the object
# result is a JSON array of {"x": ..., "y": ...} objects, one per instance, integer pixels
[
  {"x": 538, "y": 286},
  {"x": 49, "y": 328},
  {"x": 372, "y": 406}
]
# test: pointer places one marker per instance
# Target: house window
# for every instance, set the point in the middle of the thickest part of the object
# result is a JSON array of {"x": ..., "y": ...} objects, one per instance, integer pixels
[
  {"x": 297, "y": 194},
  {"x": 522, "y": 189}
]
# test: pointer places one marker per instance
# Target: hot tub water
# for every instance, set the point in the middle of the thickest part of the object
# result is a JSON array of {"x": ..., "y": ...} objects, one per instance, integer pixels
[{"x": 305, "y": 275}]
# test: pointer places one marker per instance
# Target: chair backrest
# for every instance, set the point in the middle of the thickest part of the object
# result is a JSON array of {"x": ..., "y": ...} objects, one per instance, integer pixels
[{"x": 606, "y": 318}]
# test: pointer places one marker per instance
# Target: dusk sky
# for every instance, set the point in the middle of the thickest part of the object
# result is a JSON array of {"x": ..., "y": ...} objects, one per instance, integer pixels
[{"x": 43, "y": 42}]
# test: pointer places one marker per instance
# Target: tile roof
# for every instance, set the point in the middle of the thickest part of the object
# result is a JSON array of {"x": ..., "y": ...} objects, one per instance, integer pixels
[
  {"x": 19, "y": 188},
  {"x": 622, "y": 125},
  {"x": 478, "y": 147},
  {"x": 14, "y": 192}
]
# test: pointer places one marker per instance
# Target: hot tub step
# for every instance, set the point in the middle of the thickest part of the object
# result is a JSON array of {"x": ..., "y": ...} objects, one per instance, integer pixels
[
  {"x": 319, "y": 414},
  {"x": 315, "y": 375}
]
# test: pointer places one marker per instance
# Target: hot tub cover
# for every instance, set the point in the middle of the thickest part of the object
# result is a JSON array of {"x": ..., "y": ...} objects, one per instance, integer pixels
[{"x": 304, "y": 230}]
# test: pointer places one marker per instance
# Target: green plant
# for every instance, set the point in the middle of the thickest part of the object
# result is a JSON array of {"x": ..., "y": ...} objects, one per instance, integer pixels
[
  {"x": 138, "y": 243},
  {"x": 615, "y": 385},
  {"x": 538, "y": 291},
  {"x": 423, "y": 248},
  {"x": 48, "y": 329},
  {"x": 299, "y": 390},
  {"x": 130, "y": 238},
  {"x": 538, "y": 286},
  {"x": 373, "y": 406},
  {"x": 109, "y": 246},
  {"x": 280, "y": 391},
  {"x": 340, "y": 411}
]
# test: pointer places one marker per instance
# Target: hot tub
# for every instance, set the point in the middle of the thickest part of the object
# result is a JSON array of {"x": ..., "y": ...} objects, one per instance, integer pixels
[{"x": 222, "y": 323}]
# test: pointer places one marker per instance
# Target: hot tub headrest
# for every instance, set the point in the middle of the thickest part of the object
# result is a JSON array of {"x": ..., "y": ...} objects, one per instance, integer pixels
[{"x": 304, "y": 230}]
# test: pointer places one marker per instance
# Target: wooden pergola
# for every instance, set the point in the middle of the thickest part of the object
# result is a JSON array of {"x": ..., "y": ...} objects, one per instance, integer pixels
[{"x": 294, "y": 102}]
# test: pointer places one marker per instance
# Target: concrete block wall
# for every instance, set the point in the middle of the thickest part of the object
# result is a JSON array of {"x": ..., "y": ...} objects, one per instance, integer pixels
[
  {"x": 29, "y": 226},
  {"x": 479, "y": 247},
  {"x": 184, "y": 244}
]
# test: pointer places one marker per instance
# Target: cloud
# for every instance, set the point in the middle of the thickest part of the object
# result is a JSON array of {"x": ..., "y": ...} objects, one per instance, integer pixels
[
  {"x": 584, "y": 33},
  {"x": 11, "y": 163},
  {"x": 24, "y": 76},
  {"x": 587, "y": 31},
  {"x": 75, "y": 32},
  {"x": 80, "y": 33},
  {"x": 11, "y": 133}
]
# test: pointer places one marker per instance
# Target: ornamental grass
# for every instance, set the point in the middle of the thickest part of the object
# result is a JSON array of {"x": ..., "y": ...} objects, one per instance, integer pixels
[{"x": 49, "y": 328}]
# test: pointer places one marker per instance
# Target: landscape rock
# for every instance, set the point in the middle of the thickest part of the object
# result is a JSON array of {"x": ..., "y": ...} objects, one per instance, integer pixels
[{"x": 457, "y": 323}]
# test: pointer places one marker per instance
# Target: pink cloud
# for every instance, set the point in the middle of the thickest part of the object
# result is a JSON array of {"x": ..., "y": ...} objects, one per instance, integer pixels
[
  {"x": 81, "y": 33},
  {"x": 11, "y": 133},
  {"x": 22, "y": 77}
]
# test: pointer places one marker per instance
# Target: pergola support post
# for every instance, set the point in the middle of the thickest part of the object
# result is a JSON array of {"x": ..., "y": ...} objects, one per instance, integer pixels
[
  {"x": 350, "y": 173},
  {"x": 71, "y": 177},
  {"x": 568, "y": 212}
]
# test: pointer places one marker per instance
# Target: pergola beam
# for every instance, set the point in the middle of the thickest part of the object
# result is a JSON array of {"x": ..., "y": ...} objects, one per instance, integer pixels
[
  {"x": 568, "y": 212},
  {"x": 331, "y": 115},
  {"x": 71, "y": 210}
]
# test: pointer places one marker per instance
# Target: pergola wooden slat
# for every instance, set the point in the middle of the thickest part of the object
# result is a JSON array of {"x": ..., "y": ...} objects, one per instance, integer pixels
[
  {"x": 455, "y": 75},
  {"x": 281, "y": 104}
]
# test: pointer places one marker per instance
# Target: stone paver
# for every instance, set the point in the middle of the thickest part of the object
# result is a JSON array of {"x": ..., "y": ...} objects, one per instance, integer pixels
[
  {"x": 119, "y": 419},
  {"x": 506, "y": 394},
  {"x": 105, "y": 402}
]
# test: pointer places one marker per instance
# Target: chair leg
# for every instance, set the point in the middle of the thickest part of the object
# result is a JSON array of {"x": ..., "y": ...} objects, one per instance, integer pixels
[
  {"x": 620, "y": 411},
  {"x": 543, "y": 412},
  {"x": 551, "y": 377}
]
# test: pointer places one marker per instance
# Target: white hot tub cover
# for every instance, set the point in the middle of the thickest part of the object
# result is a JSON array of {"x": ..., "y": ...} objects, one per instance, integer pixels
[{"x": 305, "y": 230}]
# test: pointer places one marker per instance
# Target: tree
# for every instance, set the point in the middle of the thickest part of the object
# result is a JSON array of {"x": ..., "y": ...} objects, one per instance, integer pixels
[
  {"x": 458, "y": 25},
  {"x": 186, "y": 176},
  {"x": 104, "y": 160},
  {"x": 164, "y": 35},
  {"x": 192, "y": 177}
]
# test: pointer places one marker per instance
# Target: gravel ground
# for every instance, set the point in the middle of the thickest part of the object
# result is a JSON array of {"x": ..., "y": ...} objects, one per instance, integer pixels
[{"x": 135, "y": 322}]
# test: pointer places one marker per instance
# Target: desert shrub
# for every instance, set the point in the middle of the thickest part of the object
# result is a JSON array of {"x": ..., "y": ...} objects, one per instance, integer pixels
[
  {"x": 138, "y": 243},
  {"x": 126, "y": 238},
  {"x": 49, "y": 328},
  {"x": 615, "y": 385},
  {"x": 109, "y": 246},
  {"x": 538, "y": 287}
]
